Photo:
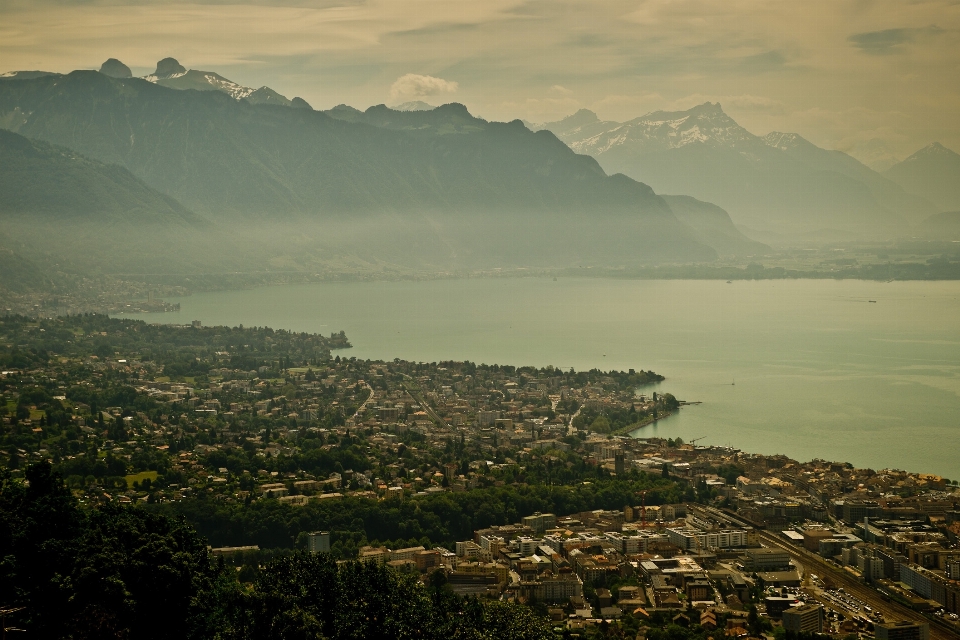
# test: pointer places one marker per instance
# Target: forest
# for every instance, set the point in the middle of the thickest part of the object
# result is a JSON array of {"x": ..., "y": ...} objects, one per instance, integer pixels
[{"x": 126, "y": 572}]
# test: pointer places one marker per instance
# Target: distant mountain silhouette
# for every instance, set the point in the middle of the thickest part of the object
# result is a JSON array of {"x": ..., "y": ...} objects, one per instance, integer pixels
[
  {"x": 300, "y": 103},
  {"x": 115, "y": 69},
  {"x": 932, "y": 172},
  {"x": 712, "y": 226},
  {"x": 779, "y": 185},
  {"x": 941, "y": 227}
]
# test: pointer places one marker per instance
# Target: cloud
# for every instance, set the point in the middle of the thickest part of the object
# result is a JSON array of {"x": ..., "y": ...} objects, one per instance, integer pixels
[
  {"x": 889, "y": 41},
  {"x": 560, "y": 90},
  {"x": 766, "y": 61},
  {"x": 413, "y": 86}
]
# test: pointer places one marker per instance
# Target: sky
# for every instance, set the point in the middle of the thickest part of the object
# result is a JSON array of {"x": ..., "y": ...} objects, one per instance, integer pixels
[{"x": 876, "y": 78}]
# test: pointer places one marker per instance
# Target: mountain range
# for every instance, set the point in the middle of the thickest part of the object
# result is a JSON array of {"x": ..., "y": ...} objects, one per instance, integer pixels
[
  {"x": 778, "y": 187},
  {"x": 296, "y": 188}
]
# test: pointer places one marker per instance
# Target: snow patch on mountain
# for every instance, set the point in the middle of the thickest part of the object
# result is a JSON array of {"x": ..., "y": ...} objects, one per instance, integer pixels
[
  {"x": 933, "y": 149},
  {"x": 782, "y": 141},
  {"x": 234, "y": 90},
  {"x": 706, "y": 124}
]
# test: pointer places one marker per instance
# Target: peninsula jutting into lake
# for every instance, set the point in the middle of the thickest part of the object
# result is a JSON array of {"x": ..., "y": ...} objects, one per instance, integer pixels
[{"x": 493, "y": 481}]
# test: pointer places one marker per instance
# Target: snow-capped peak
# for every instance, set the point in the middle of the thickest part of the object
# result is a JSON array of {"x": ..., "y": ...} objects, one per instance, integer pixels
[
  {"x": 704, "y": 124},
  {"x": 932, "y": 150}
]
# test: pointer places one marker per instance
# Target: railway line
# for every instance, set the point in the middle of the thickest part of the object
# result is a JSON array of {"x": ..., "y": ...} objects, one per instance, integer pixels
[{"x": 891, "y": 610}]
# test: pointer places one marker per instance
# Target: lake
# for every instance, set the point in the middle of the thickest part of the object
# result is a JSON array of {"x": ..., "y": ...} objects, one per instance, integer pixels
[{"x": 864, "y": 372}]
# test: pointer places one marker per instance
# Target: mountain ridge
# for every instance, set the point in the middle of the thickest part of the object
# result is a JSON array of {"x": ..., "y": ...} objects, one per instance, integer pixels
[
  {"x": 933, "y": 170},
  {"x": 440, "y": 188},
  {"x": 779, "y": 184}
]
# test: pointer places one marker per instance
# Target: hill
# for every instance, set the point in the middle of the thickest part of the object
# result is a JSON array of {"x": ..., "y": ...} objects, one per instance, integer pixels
[
  {"x": 40, "y": 179},
  {"x": 780, "y": 186},
  {"x": 933, "y": 172},
  {"x": 713, "y": 226},
  {"x": 941, "y": 226},
  {"x": 431, "y": 188}
]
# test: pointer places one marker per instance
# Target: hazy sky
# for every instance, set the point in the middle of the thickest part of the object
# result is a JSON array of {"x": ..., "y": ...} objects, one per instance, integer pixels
[{"x": 871, "y": 77}]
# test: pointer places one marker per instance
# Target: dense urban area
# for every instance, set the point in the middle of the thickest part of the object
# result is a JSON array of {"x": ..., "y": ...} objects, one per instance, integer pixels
[{"x": 222, "y": 478}]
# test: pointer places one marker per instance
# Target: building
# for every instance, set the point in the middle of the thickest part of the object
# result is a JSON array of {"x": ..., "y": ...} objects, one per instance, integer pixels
[
  {"x": 795, "y": 537},
  {"x": 699, "y": 590},
  {"x": 318, "y": 542},
  {"x": 830, "y": 547},
  {"x": 688, "y": 539},
  {"x": 619, "y": 465},
  {"x": 540, "y": 522},
  {"x": 776, "y": 605},
  {"x": 764, "y": 559},
  {"x": 812, "y": 538},
  {"x": 388, "y": 414},
  {"x": 902, "y": 630},
  {"x": 807, "y": 618},
  {"x": 487, "y": 418},
  {"x": 467, "y": 549},
  {"x": 528, "y": 546},
  {"x": 374, "y": 554},
  {"x": 465, "y": 584},
  {"x": 552, "y": 588},
  {"x": 779, "y": 578},
  {"x": 427, "y": 560},
  {"x": 410, "y": 553}
]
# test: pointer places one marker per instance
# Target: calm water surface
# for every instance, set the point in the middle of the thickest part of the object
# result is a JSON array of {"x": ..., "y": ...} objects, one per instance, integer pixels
[{"x": 820, "y": 371}]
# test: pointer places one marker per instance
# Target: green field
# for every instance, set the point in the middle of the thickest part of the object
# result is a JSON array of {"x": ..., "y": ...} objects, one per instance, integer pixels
[{"x": 140, "y": 477}]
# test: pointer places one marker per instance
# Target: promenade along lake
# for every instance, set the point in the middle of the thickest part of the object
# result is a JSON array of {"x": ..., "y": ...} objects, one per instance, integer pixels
[{"x": 864, "y": 372}]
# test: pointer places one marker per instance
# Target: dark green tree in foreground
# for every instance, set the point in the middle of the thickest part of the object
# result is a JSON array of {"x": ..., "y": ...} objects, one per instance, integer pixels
[
  {"x": 101, "y": 573},
  {"x": 126, "y": 572}
]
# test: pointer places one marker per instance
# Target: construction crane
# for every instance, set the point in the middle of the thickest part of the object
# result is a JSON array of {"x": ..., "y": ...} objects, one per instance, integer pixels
[
  {"x": 643, "y": 509},
  {"x": 695, "y": 440}
]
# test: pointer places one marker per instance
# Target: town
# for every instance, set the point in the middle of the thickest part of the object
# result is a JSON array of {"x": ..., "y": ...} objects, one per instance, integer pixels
[{"x": 524, "y": 484}]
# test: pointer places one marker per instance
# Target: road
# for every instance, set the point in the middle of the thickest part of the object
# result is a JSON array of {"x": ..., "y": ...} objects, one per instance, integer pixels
[
  {"x": 571, "y": 430},
  {"x": 363, "y": 406}
]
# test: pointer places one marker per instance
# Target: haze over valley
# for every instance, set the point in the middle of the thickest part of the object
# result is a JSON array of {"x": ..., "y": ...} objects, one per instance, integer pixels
[{"x": 228, "y": 179}]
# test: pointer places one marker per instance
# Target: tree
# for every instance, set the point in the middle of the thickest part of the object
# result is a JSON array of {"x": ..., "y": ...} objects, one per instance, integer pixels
[{"x": 110, "y": 572}]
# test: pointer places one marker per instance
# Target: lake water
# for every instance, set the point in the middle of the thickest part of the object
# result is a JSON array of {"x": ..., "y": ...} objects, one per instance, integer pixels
[{"x": 820, "y": 370}]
